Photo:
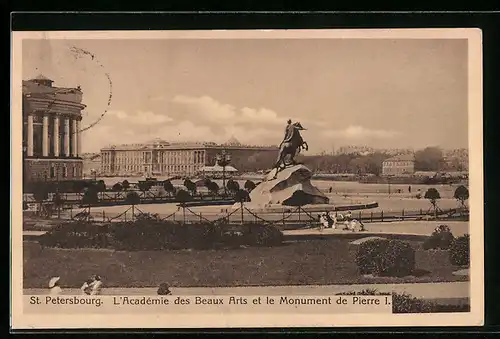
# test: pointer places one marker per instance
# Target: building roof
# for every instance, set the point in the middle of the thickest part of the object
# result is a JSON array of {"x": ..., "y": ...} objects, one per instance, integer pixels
[
  {"x": 401, "y": 157},
  {"x": 155, "y": 143},
  {"x": 42, "y": 77},
  {"x": 32, "y": 87}
]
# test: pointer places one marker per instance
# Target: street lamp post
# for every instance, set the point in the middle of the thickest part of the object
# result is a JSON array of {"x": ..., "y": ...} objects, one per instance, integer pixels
[{"x": 223, "y": 159}]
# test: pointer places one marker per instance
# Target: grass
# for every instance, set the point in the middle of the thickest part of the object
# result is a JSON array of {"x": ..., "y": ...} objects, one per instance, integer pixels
[{"x": 316, "y": 262}]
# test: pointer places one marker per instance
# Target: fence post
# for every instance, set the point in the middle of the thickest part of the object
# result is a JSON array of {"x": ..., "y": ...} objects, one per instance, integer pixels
[
  {"x": 382, "y": 215},
  {"x": 359, "y": 216},
  {"x": 420, "y": 211},
  {"x": 125, "y": 215},
  {"x": 283, "y": 217},
  {"x": 103, "y": 216},
  {"x": 71, "y": 211},
  {"x": 403, "y": 213},
  {"x": 371, "y": 216}
]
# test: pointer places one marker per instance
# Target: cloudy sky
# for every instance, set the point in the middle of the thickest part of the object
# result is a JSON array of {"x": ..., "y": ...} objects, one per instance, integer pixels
[{"x": 380, "y": 93}]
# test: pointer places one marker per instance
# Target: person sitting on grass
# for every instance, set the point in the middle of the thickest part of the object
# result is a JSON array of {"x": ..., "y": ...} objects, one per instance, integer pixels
[
  {"x": 330, "y": 220},
  {"x": 86, "y": 289},
  {"x": 54, "y": 286},
  {"x": 92, "y": 286}
]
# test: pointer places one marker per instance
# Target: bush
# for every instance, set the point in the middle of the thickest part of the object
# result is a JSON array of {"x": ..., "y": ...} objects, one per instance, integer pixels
[
  {"x": 460, "y": 251},
  {"x": 262, "y": 235},
  {"x": 133, "y": 198},
  {"x": 77, "y": 234},
  {"x": 149, "y": 233},
  {"x": 117, "y": 187},
  {"x": 441, "y": 238},
  {"x": 385, "y": 258},
  {"x": 405, "y": 303}
]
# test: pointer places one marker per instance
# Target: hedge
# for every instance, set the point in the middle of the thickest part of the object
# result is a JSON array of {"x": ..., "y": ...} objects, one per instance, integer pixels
[
  {"x": 384, "y": 257},
  {"x": 441, "y": 238},
  {"x": 460, "y": 251},
  {"x": 151, "y": 233},
  {"x": 406, "y": 303}
]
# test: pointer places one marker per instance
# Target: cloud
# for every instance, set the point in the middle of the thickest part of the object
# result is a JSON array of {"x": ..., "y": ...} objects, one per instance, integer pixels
[
  {"x": 207, "y": 108},
  {"x": 360, "y": 132},
  {"x": 141, "y": 117},
  {"x": 210, "y": 110},
  {"x": 192, "y": 119}
]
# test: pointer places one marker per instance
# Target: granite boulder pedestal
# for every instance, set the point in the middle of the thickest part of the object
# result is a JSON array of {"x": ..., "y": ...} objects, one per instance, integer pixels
[{"x": 290, "y": 187}]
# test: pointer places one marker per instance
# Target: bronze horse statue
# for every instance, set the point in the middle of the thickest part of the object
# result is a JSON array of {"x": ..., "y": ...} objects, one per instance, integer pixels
[{"x": 290, "y": 147}]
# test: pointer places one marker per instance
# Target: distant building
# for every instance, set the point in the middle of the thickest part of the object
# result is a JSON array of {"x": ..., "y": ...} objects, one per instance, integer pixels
[
  {"x": 399, "y": 165},
  {"x": 51, "y": 131},
  {"x": 398, "y": 151},
  {"x": 456, "y": 159},
  {"x": 355, "y": 149},
  {"x": 91, "y": 162},
  {"x": 161, "y": 158}
]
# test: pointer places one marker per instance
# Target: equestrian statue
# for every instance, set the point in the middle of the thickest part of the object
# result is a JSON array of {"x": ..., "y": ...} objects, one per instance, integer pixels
[{"x": 290, "y": 147}]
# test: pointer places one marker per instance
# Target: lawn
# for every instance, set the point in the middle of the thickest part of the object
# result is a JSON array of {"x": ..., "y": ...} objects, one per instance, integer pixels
[{"x": 316, "y": 262}]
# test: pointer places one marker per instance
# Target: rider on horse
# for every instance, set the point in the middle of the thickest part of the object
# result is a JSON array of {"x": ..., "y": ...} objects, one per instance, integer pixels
[{"x": 291, "y": 144}]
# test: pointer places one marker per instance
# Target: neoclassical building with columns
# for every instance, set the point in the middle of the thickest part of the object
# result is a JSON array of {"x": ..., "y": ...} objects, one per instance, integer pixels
[{"x": 51, "y": 131}]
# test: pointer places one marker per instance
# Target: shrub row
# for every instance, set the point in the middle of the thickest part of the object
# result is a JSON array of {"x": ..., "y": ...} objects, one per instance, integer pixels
[
  {"x": 382, "y": 257},
  {"x": 151, "y": 234},
  {"x": 443, "y": 239},
  {"x": 405, "y": 303}
]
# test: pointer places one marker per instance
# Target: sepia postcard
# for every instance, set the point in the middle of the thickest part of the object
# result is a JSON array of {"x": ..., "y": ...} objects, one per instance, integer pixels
[{"x": 246, "y": 179}]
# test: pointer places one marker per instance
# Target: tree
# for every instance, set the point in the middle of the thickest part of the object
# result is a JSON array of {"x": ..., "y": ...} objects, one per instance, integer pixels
[
  {"x": 40, "y": 194},
  {"x": 183, "y": 197},
  {"x": 169, "y": 188},
  {"x": 190, "y": 186},
  {"x": 213, "y": 188},
  {"x": 241, "y": 196},
  {"x": 429, "y": 159},
  {"x": 133, "y": 198},
  {"x": 433, "y": 196},
  {"x": 249, "y": 185},
  {"x": 125, "y": 185},
  {"x": 461, "y": 194},
  {"x": 101, "y": 186},
  {"x": 90, "y": 197},
  {"x": 117, "y": 187},
  {"x": 232, "y": 186},
  {"x": 206, "y": 182},
  {"x": 144, "y": 185},
  {"x": 58, "y": 200}
]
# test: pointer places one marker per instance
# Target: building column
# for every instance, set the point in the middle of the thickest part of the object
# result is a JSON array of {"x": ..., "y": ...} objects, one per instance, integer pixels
[
  {"x": 79, "y": 139},
  {"x": 66, "y": 137},
  {"x": 74, "y": 140},
  {"x": 30, "y": 136},
  {"x": 56, "y": 137},
  {"x": 45, "y": 136}
]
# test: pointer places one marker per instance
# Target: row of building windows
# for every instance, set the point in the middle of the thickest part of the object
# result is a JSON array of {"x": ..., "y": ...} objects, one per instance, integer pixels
[
  {"x": 398, "y": 163},
  {"x": 170, "y": 157},
  {"x": 164, "y": 168},
  {"x": 77, "y": 172}
]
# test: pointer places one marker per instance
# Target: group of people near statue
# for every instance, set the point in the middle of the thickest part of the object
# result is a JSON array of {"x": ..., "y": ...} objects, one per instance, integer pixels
[{"x": 333, "y": 221}]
